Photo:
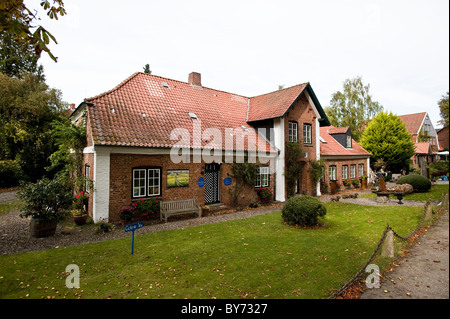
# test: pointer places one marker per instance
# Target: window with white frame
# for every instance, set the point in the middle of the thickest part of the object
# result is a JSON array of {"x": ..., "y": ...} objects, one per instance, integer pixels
[
  {"x": 307, "y": 133},
  {"x": 353, "y": 171},
  {"x": 360, "y": 170},
  {"x": 344, "y": 172},
  {"x": 349, "y": 141},
  {"x": 146, "y": 182},
  {"x": 293, "y": 131},
  {"x": 332, "y": 173},
  {"x": 262, "y": 177}
]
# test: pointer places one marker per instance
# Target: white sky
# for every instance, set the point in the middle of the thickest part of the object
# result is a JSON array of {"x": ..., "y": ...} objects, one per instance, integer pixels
[{"x": 401, "y": 48}]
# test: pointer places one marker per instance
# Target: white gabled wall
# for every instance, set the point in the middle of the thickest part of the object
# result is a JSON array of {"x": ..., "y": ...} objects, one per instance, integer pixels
[
  {"x": 101, "y": 184},
  {"x": 278, "y": 128}
]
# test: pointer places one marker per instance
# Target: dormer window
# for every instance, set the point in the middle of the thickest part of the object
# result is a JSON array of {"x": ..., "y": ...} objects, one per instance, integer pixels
[{"x": 349, "y": 141}]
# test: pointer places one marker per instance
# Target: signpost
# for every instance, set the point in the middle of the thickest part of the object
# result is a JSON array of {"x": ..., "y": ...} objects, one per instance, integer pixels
[{"x": 132, "y": 228}]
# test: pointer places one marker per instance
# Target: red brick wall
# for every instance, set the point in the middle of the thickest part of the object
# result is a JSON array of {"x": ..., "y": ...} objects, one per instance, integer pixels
[
  {"x": 121, "y": 166},
  {"x": 302, "y": 113}
]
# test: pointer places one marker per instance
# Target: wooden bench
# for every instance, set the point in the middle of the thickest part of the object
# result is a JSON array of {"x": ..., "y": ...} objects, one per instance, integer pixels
[{"x": 179, "y": 207}]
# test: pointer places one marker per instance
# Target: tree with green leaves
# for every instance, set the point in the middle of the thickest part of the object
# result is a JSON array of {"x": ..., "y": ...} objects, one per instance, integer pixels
[
  {"x": 443, "y": 107},
  {"x": 19, "y": 22},
  {"x": 387, "y": 139},
  {"x": 353, "y": 107},
  {"x": 27, "y": 109}
]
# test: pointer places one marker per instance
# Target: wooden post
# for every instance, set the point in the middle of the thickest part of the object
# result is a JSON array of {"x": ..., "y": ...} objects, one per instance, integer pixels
[{"x": 387, "y": 248}]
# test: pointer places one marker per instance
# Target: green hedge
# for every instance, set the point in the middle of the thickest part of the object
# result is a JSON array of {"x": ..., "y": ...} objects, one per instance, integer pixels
[{"x": 420, "y": 183}]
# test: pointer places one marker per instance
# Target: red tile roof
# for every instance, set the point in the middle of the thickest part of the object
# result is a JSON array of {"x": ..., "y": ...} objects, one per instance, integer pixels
[
  {"x": 144, "y": 109},
  {"x": 423, "y": 148},
  {"x": 413, "y": 121},
  {"x": 275, "y": 104},
  {"x": 333, "y": 147},
  {"x": 337, "y": 130}
]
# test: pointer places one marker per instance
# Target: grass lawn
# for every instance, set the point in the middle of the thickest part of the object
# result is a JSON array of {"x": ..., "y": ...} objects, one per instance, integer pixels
[
  {"x": 435, "y": 194},
  {"x": 257, "y": 257}
]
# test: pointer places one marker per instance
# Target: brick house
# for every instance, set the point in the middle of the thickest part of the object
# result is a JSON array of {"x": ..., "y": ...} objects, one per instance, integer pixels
[
  {"x": 344, "y": 159},
  {"x": 424, "y": 136},
  {"x": 150, "y": 131}
]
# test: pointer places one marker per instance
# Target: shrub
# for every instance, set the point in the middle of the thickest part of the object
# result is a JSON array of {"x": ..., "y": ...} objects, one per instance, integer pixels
[
  {"x": 420, "y": 183},
  {"x": 265, "y": 194},
  {"x": 303, "y": 211},
  {"x": 47, "y": 199}
]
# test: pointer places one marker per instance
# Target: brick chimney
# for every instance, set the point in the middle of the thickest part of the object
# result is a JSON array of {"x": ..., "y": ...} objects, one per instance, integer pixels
[{"x": 195, "y": 79}]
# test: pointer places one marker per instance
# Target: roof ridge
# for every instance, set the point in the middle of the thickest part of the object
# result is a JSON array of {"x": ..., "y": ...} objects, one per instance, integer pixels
[
  {"x": 113, "y": 89},
  {"x": 283, "y": 89},
  {"x": 160, "y": 77}
]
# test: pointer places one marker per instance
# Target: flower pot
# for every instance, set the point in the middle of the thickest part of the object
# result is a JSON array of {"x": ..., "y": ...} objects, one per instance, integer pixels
[
  {"x": 42, "y": 228},
  {"x": 364, "y": 183},
  {"x": 80, "y": 220}
]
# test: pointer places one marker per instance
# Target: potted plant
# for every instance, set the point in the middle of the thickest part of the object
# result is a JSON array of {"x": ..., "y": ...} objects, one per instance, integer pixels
[
  {"x": 47, "y": 203},
  {"x": 347, "y": 183},
  {"x": 126, "y": 214},
  {"x": 364, "y": 181},
  {"x": 79, "y": 208},
  {"x": 205, "y": 211},
  {"x": 338, "y": 186},
  {"x": 355, "y": 183}
]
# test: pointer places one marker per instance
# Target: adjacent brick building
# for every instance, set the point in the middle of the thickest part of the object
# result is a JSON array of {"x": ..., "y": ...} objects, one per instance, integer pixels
[{"x": 344, "y": 158}]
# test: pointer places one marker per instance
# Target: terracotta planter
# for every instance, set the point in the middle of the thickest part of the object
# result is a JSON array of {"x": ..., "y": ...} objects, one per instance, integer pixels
[
  {"x": 42, "y": 228},
  {"x": 80, "y": 220},
  {"x": 205, "y": 212},
  {"x": 364, "y": 183},
  {"x": 333, "y": 188}
]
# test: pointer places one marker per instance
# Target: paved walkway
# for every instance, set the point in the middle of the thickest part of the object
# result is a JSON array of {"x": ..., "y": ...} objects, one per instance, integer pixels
[{"x": 424, "y": 272}]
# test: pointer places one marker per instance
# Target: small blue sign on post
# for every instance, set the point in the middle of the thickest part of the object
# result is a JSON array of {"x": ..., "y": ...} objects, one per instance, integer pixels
[{"x": 132, "y": 228}]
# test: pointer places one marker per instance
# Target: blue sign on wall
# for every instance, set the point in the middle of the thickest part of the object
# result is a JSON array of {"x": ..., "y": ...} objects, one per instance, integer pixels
[
  {"x": 227, "y": 181},
  {"x": 201, "y": 182}
]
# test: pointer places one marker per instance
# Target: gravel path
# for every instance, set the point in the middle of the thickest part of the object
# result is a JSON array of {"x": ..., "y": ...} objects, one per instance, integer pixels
[{"x": 15, "y": 236}]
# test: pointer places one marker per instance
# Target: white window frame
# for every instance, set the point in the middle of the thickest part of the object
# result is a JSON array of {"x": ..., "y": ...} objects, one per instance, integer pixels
[
  {"x": 349, "y": 141},
  {"x": 153, "y": 178},
  {"x": 344, "y": 169},
  {"x": 307, "y": 133},
  {"x": 149, "y": 182},
  {"x": 360, "y": 170},
  {"x": 139, "y": 178},
  {"x": 332, "y": 172},
  {"x": 353, "y": 171},
  {"x": 262, "y": 177},
  {"x": 293, "y": 131}
]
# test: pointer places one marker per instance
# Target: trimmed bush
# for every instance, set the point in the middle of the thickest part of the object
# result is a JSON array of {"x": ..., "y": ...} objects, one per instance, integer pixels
[
  {"x": 303, "y": 211},
  {"x": 420, "y": 183}
]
